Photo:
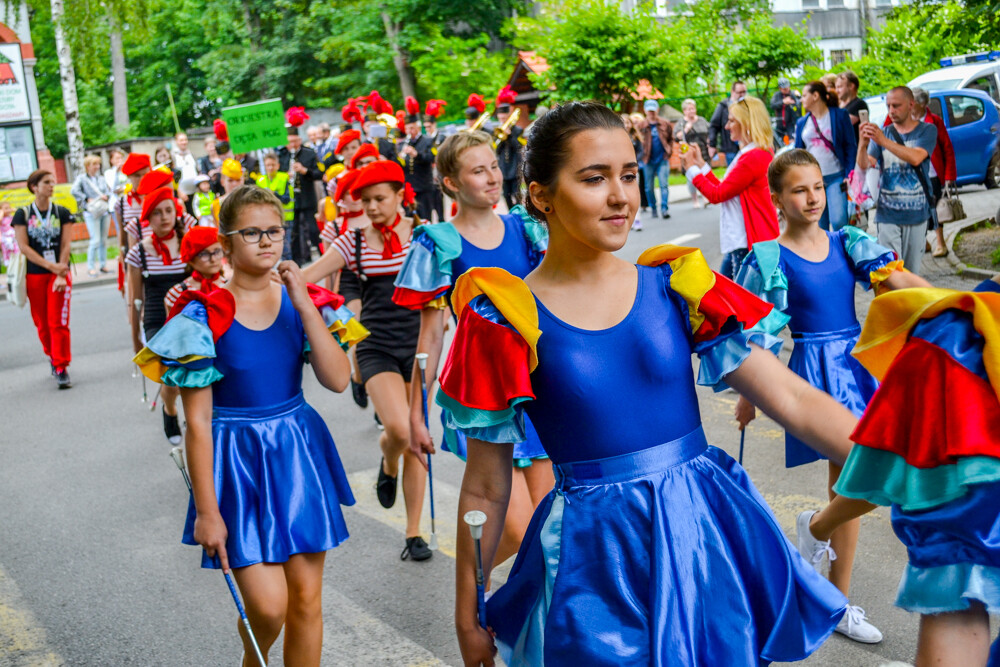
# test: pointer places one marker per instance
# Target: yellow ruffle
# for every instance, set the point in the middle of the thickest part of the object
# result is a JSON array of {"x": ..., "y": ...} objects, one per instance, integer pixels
[
  {"x": 691, "y": 276},
  {"x": 440, "y": 303},
  {"x": 510, "y": 296},
  {"x": 881, "y": 275},
  {"x": 349, "y": 334},
  {"x": 151, "y": 366},
  {"x": 894, "y": 314}
]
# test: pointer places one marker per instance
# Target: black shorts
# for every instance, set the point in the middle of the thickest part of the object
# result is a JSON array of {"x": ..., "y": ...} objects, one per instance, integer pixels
[
  {"x": 350, "y": 286},
  {"x": 375, "y": 360}
]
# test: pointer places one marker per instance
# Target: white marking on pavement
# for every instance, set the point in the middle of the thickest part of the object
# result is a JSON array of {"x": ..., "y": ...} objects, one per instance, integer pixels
[
  {"x": 684, "y": 238},
  {"x": 22, "y": 639}
]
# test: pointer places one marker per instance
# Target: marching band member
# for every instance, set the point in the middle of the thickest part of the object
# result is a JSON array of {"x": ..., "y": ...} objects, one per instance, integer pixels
[
  {"x": 475, "y": 108},
  {"x": 510, "y": 141},
  {"x": 303, "y": 172},
  {"x": 432, "y": 110},
  {"x": 416, "y": 153}
]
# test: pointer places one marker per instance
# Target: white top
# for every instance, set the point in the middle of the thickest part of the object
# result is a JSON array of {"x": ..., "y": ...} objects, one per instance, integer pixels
[
  {"x": 732, "y": 228},
  {"x": 828, "y": 162},
  {"x": 186, "y": 163}
]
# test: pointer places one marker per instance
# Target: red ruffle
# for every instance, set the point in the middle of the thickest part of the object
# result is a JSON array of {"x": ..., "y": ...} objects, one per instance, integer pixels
[
  {"x": 220, "y": 306},
  {"x": 487, "y": 366},
  {"x": 727, "y": 299},
  {"x": 414, "y": 300},
  {"x": 323, "y": 297},
  {"x": 931, "y": 410}
]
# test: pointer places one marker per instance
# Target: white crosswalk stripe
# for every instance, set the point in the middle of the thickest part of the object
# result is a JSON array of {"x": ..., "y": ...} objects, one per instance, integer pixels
[{"x": 684, "y": 238}]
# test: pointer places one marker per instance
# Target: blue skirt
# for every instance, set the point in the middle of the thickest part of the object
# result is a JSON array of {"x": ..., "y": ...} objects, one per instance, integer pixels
[
  {"x": 279, "y": 482},
  {"x": 667, "y": 556},
  {"x": 524, "y": 452},
  {"x": 953, "y": 551},
  {"x": 824, "y": 360}
]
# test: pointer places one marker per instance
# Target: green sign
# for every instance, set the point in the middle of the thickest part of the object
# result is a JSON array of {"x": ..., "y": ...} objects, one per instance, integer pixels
[{"x": 256, "y": 125}]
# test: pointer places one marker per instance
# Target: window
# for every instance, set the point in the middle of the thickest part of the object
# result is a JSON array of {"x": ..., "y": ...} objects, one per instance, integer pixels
[
  {"x": 935, "y": 106},
  {"x": 883, "y": 3},
  {"x": 810, "y": 4},
  {"x": 963, "y": 110},
  {"x": 833, "y": 4},
  {"x": 987, "y": 84},
  {"x": 838, "y": 56}
]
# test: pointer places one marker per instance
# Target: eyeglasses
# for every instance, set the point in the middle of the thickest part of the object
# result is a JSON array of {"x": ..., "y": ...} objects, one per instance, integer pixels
[
  {"x": 209, "y": 255},
  {"x": 253, "y": 235}
]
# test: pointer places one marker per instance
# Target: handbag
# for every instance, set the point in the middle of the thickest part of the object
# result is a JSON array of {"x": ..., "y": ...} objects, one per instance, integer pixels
[
  {"x": 949, "y": 207},
  {"x": 97, "y": 207},
  {"x": 17, "y": 280}
]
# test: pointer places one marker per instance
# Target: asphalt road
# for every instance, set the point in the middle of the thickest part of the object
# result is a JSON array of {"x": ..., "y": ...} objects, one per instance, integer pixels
[{"x": 92, "y": 571}]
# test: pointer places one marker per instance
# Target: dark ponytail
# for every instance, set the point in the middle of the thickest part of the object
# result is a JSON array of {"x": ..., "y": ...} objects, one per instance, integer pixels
[
  {"x": 548, "y": 143},
  {"x": 829, "y": 99}
]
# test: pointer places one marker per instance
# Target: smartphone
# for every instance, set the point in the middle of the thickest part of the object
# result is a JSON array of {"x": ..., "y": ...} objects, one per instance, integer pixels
[{"x": 863, "y": 115}]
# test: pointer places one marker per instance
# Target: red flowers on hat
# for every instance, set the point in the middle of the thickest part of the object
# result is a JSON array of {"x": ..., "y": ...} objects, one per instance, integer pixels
[
  {"x": 296, "y": 116},
  {"x": 412, "y": 105},
  {"x": 196, "y": 240},
  {"x": 351, "y": 113},
  {"x": 135, "y": 162},
  {"x": 477, "y": 102},
  {"x": 220, "y": 129},
  {"x": 346, "y": 137},
  {"x": 375, "y": 102},
  {"x": 506, "y": 96},
  {"x": 434, "y": 108}
]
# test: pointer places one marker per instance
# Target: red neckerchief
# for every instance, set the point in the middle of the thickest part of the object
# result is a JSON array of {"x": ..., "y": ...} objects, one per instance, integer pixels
[
  {"x": 348, "y": 215},
  {"x": 205, "y": 285},
  {"x": 133, "y": 198},
  {"x": 390, "y": 239},
  {"x": 161, "y": 248}
]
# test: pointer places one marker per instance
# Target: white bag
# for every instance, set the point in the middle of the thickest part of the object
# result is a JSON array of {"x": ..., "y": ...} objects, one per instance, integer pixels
[{"x": 17, "y": 280}]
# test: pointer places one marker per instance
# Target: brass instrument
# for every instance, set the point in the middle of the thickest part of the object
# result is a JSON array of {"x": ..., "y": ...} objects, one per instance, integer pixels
[
  {"x": 504, "y": 129},
  {"x": 388, "y": 120},
  {"x": 478, "y": 125}
]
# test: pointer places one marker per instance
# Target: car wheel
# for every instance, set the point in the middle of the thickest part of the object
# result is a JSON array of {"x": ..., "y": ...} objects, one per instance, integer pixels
[{"x": 993, "y": 171}]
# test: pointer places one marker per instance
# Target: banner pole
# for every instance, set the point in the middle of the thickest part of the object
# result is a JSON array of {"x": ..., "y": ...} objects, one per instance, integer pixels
[{"x": 173, "y": 109}]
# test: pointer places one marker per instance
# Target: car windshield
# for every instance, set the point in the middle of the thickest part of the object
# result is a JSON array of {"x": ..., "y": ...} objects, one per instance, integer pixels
[{"x": 929, "y": 86}]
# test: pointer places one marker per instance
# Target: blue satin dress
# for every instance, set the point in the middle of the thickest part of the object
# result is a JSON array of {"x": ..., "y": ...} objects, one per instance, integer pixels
[
  {"x": 278, "y": 477},
  {"x": 816, "y": 301},
  {"x": 654, "y": 548}
]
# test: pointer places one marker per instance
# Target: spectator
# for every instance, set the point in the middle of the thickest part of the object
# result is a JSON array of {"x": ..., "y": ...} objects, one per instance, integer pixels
[
  {"x": 904, "y": 199},
  {"x": 210, "y": 164},
  {"x": 312, "y": 137},
  {"x": 747, "y": 215},
  {"x": 116, "y": 181},
  {"x": 43, "y": 231},
  {"x": 8, "y": 240},
  {"x": 785, "y": 104},
  {"x": 943, "y": 169},
  {"x": 93, "y": 199},
  {"x": 636, "y": 138},
  {"x": 825, "y": 131},
  {"x": 299, "y": 162},
  {"x": 847, "y": 90},
  {"x": 692, "y": 129},
  {"x": 184, "y": 161},
  {"x": 639, "y": 122},
  {"x": 657, "y": 146},
  {"x": 718, "y": 135},
  {"x": 830, "y": 81}
]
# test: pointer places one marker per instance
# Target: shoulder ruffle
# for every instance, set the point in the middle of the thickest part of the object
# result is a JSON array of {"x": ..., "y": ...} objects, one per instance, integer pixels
[
  {"x": 486, "y": 377},
  {"x": 924, "y": 458},
  {"x": 426, "y": 274},
  {"x": 339, "y": 319},
  {"x": 872, "y": 262},
  {"x": 722, "y": 315},
  {"x": 763, "y": 276},
  {"x": 535, "y": 233},
  {"x": 181, "y": 353}
]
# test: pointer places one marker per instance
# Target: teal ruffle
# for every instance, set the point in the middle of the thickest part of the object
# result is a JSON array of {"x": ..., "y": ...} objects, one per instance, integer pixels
[
  {"x": 761, "y": 274},
  {"x": 865, "y": 253},
  {"x": 184, "y": 335},
  {"x": 185, "y": 378},
  {"x": 885, "y": 478},
  {"x": 936, "y": 590},
  {"x": 724, "y": 354},
  {"x": 500, "y": 426}
]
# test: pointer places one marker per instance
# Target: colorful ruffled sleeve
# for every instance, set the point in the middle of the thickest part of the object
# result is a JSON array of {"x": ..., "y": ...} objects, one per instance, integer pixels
[
  {"x": 762, "y": 276},
  {"x": 536, "y": 234},
  {"x": 872, "y": 262},
  {"x": 939, "y": 350},
  {"x": 486, "y": 377},
  {"x": 426, "y": 275},
  {"x": 339, "y": 319},
  {"x": 722, "y": 314},
  {"x": 182, "y": 352}
]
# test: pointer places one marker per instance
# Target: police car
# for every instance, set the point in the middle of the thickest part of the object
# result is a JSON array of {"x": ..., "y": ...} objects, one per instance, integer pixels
[{"x": 976, "y": 71}]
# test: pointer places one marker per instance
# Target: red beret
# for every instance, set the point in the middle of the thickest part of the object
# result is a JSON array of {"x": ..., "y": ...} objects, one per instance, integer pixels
[
  {"x": 366, "y": 150},
  {"x": 196, "y": 240},
  {"x": 134, "y": 162},
  {"x": 153, "y": 199},
  {"x": 383, "y": 171},
  {"x": 344, "y": 184},
  {"x": 158, "y": 178},
  {"x": 346, "y": 137}
]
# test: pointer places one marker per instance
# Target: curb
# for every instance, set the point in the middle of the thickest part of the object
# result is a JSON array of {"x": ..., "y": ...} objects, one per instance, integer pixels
[
  {"x": 960, "y": 267},
  {"x": 96, "y": 282}
]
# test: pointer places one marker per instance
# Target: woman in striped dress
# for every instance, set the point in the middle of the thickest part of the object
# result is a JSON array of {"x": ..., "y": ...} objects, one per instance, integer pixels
[
  {"x": 385, "y": 358},
  {"x": 154, "y": 266}
]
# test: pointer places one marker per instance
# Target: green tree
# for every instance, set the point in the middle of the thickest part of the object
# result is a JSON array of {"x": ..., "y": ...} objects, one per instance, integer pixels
[{"x": 763, "y": 52}]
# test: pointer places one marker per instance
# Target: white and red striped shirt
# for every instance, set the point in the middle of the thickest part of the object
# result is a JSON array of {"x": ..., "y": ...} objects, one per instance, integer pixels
[
  {"x": 372, "y": 263},
  {"x": 188, "y": 283},
  {"x": 154, "y": 263},
  {"x": 132, "y": 227}
]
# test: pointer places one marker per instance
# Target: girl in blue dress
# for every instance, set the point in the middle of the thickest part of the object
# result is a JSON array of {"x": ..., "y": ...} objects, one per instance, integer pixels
[
  {"x": 267, "y": 480},
  {"x": 654, "y": 548},
  {"x": 439, "y": 254}
]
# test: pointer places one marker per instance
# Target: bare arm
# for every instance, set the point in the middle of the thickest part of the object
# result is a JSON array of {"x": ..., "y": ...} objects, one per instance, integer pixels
[
  {"x": 870, "y": 132},
  {"x": 331, "y": 262},
  {"x": 209, "y": 527},
  {"x": 485, "y": 487},
  {"x": 30, "y": 254},
  {"x": 431, "y": 342},
  {"x": 901, "y": 280},
  {"x": 808, "y": 413}
]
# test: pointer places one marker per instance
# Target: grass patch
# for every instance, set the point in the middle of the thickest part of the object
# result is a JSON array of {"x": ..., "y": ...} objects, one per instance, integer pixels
[
  {"x": 81, "y": 257},
  {"x": 680, "y": 179}
]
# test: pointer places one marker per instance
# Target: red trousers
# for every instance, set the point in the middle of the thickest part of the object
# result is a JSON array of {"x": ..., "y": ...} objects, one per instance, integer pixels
[{"x": 50, "y": 311}]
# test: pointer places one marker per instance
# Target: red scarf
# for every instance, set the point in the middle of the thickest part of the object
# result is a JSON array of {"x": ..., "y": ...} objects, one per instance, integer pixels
[
  {"x": 161, "y": 248},
  {"x": 348, "y": 215},
  {"x": 390, "y": 239},
  {"x": 205, "y": 285}
]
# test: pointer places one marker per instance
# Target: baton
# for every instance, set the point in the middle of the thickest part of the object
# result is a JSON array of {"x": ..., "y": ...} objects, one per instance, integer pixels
[
  {"x": 152, "y": 406},
  {"x": 178, "y": 458},
  {"x": 475, "y": 520},
  {"x": 422, "y": 363},
  {"x": 743, "y": 436}
]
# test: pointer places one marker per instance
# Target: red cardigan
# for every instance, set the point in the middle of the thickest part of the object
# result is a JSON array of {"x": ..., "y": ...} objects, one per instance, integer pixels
[{"x": 748, "y": 181}]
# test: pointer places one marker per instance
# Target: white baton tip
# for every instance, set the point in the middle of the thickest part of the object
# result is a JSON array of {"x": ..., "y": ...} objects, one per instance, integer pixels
[
  {"x": 422, "y": 360},
  {"x": 475, "y": 520}
]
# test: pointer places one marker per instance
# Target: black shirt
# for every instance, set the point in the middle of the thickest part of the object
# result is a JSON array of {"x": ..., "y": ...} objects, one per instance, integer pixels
[
  {"x": 419, "y": 169},
  {"x": 44, "y": 231},
  {"x": 853, "y": 107}
]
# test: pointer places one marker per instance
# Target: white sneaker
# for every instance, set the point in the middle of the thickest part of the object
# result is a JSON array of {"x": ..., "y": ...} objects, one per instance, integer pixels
[
  {"x": 854, "y": 625},
  {"x": 637, "y": 224},
  {"x": 810, "y": 548}
]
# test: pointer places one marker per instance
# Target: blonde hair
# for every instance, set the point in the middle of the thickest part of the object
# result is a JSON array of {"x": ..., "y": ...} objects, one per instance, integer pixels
[
  {"x": 690, "y": 102},
  {"x": 243, "y": 197},
  {"x": 89, "y": 160},
  {"x": 451, "y": 151},
  {"x": 752, "y": 115}
]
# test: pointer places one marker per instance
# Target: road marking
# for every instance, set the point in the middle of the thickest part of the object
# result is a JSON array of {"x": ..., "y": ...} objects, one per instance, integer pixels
[
  {"x": 684, "y": 238},
  {"x": 22, "y": 639}
]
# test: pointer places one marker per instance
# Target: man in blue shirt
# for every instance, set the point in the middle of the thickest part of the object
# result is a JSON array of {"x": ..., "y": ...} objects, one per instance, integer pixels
[
  {"x": 904, "y": 198},
  {"x": 657, "y": 146}
]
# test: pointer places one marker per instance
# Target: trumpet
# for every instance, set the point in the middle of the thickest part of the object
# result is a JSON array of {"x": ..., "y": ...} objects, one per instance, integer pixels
[
  {"x": 388, "y": 120},
  {"x": 501, "y": 132},
  {"x": 478, "y": 125}
]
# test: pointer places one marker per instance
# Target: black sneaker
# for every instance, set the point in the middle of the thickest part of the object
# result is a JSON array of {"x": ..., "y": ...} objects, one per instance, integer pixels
[
  {"x": 359, "y": 393},
  {"x": 62, "y": 377},
  {"x": 666, "y": 215},
  {"x": 416, "y": 549},
  {"x": 378, "y": 422},
  {"x": 171, "y": 428},
  {"x": 385, "y": 487},
  {"x": 52, "y": 369}
]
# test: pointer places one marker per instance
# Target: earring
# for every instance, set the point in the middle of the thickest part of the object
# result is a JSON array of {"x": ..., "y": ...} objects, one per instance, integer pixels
[{"x": 547, "y": 209}]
